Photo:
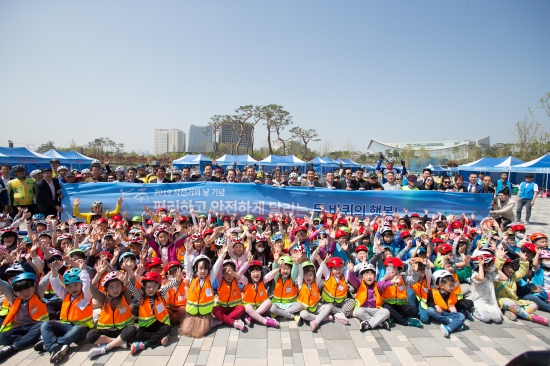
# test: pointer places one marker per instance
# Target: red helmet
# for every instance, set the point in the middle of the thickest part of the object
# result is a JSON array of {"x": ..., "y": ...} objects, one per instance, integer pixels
[
  {"x": 342, "y": 221},
  {"x": 438, "y": 241},
  {"x": 444, "y": 248},
  {"x": 261, "y": 238},
  {"x": 149, "y": 222},
  {"x": 172, "y": 264},
  {"x": 260, "y": 219},
  {"x": 226, "y": 218},
  {"x": 335, "y": 262},
  {"x": 404, "y": 234},
  {"x": 166, "y": 219},
  {"x": 375, "y": 227},
  {"x": 415, "y": 215},
  {"x": 396, "y": 262},
  {"x": 330, "y": 216},
  {"x": 518, "y": 227},
  {"x": 135, "y": 239},
  {"x": 152, "y": 276},
  {"x": 183, "y": 218},
  {"x": 161, "y": 209},
  {"x": 274, "y": 220},
  {"x": 340, "y": 233},
  {"x": 117, "y": 218},
  {"x": 252, "y": 228},
  {"x": 456, "y": 225},
  {"x": 151, "y": 262},
  {"x": 207, "y": 232},
  {"x": 254, "y": 264},
  {"x": 529, "y": 246},
  {"x": 102, "y": 220},
  {"x": 536, "y": 236},
  {"x": 361, "y": 248},
  {"x": 300, "y": 221},
  {"x": 300, "y": 228}
]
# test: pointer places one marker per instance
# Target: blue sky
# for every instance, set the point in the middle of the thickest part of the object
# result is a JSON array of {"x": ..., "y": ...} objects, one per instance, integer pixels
[{"x": 353, "y": 70}]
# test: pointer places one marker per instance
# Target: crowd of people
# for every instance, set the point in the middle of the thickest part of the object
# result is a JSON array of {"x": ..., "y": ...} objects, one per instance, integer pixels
[{"x": 118, "y": 281}]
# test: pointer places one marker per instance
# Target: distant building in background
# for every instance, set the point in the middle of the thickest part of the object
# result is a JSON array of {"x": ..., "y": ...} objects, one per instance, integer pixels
[
  {"x": 201, "y": 139},
  {"x": 225, "y": 136},
  {"x": 169, "y": 140}
]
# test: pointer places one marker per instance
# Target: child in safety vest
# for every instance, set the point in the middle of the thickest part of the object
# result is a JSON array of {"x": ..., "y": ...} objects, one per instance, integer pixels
[
  {"x": 419, "y": 286},
  {"x": 442, "y": 303},
  {"x": 10, "y": 273},
  {"x": 176, "y": 297},
  {"x": 394, "y": 297},
  {"x": 21, "y": 327},
  {"x": 335, "y": 290},
  {"x": 463, "y": 305},
  {"x": 154, "y": 320},
  {"x": 76, "y": 316},
  {"x": 115, "y": 324},
  {"x": 200, "y": 296},
  {"x": 285, "y": 295},
  {"x": 368, "y": 301},
  {"x": 229, "y": 308},
  {"x": 255, "y": 297}
]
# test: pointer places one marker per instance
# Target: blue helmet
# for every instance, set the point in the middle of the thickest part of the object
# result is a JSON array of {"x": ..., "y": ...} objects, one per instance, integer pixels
[
  {"x": 276, "y": 237},
  {"x": 38, "y": 216},
  {"x": 72, "y": 276},
  {"x": 27, "y": 240},
  {"x": 24, "y": 276},
  {"x": 125, "y": 255}
]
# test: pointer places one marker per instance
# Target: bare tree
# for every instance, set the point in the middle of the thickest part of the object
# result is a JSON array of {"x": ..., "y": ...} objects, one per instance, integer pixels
[
  {"x": 243, "y": 114},
  {"x": 267, "y": 112},
  {"x": 215, "y": 125},
  {"x": 280, "y": 120},
  {"x": 305, "y": 135},
  {"x": 326, "y": 147},
  {"x": 349, "y": 149},
  {"x": 256, "y": 118}
]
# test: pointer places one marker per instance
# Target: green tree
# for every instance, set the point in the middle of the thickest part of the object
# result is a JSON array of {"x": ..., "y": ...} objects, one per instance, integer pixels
[
  {"x": 305, "y": 135},
  {"x": 267, "y": 112},
  {"x": 46, "y": 147},
  {"x": 281, "y": 120}
]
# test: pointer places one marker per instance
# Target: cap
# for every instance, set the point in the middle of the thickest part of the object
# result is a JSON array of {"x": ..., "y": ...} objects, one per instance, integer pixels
[
  {"x": 44, "y": 170},
  {"x": 70, "y": 174}
]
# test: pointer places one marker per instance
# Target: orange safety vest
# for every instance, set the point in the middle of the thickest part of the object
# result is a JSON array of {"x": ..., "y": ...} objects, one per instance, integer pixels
[
  {"x": 309, "y": 297},
  {"x": 177, "y": 297},
  {"x": 438, "y": 299},
  {"x": 180, "y": 253},
  {"x": 421, "y": 290},
  {"x": 119, "y": 318},
  {"x": 457, "y": 290},
  {"x": 362, "y": 294},
  {"x": 229, "y": 295},
  {"x": 5, "y": 307},
  {"x": 255, "y": 294},
  {"x": 200, "y": 300},
  {"x": 147, "y": 315},
  {"x": 285, "y": 292},
  {"x": 37, "y": 312},
  {"x": 77, "y": 311},
  {"x": 335, "y": 291},
  {"x": 395, "y": 294}
]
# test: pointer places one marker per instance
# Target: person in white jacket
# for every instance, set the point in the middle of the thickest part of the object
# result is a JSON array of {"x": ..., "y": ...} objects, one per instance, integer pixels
[{"x": 482, "y": 289}]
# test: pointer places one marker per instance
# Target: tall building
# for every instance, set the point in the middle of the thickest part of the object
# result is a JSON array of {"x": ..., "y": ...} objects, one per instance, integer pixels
[
  {"x": 169, "y": 140},
  {"x": 225, "y": 135},
  {"x": 200, "y": 139}
]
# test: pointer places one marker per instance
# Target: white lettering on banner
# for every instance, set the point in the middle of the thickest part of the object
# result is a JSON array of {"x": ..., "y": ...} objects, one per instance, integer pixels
[
  {"x": 138, "y": 195},
  {"x": 204, "y": 192}
]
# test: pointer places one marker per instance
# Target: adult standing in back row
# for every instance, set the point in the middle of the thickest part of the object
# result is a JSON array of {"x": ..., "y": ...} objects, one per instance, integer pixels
[{"x": 527, "y": 195}]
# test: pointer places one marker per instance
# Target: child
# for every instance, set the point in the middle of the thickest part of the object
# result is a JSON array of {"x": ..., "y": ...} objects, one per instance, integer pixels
[
  {"x": 255, "y": 295},
  {"x": 463, "y": 305},
  {"x": 229, "y": 308},
  {"x": 176, "y": 298},
  {"x": 442, "y": 301},
  {"x": 21, "y": 327},
  {"x": 482, "y": 289},
  {"x": 540, "y": 284},
  {"x": 394, "y": 297},
  {"x": 309, "y": 294},
  {"x": 154, "y": 320},
  {"x": 115, "y": 324},
  {"x": 200, "y": 297},
  {"x": 419, "y": 282},
  {"x": 76, "y": 312},
  {"x": 335, "y": 290},
  {"x": 285, "y": 294},
  {"x": 368, "y": 301}
]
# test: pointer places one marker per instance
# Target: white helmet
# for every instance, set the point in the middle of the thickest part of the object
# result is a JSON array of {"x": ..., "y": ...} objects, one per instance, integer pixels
[
  {"x": 85, "y": 171},
  {"x": 95, "y": 161},
  {"x": 293, "y": 176},
  {"x": 439, "y": 274},
  {"x": 220, "y": 242},
  {"x": 385, "y": 229},
  {"x": 198, "y": 258},
  {"x": 366, "y": 267},
  {"x": 61, "y": 168}
]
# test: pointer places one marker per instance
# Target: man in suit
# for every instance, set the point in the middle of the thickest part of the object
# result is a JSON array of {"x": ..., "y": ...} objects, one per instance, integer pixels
[
  {"x": 161, "y": 176},
  {"x": 48, "y": 193},
  {"x": 251, "y": 176},
  {"x": 310, "y": 181},
  {"x": 473, "y": 187},
  {"x": 346, "y": 182},
  {"x": 208, "y": 174}
]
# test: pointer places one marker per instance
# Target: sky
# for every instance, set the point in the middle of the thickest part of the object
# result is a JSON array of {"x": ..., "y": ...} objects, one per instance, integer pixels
[{"x": 352, "y": 70}]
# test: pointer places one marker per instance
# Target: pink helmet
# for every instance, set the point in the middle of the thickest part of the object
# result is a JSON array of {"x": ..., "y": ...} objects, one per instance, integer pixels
[
  {"x": 56, "y": 253},
  {"x": 545, "y": 254},
  {"x": 109, "y": 277}
]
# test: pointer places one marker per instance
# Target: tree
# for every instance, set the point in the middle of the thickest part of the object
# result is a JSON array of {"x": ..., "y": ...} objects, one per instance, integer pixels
[
  {"x": 326, "y": 148},
  {"x": 243, "y": 114},
  {"x": 215, "y": 124},
  {"x": 46, "y": 147},
  {"x": 305, "y": 135},
  {"x": 256, "y": 118},
  {"x": 267, "y": 112},
  {"x": 349, "y": 149},
  {"x": 281, "y": 119}
]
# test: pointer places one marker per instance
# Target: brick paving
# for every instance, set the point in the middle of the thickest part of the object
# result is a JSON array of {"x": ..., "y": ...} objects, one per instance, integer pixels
[{"x": 333, "y": 344}]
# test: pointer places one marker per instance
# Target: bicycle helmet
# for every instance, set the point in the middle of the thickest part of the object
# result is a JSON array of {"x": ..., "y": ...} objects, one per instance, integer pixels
[
  {"x": 85, "y": 171},
  {"x": 72, "y": 276},
  {"x": 439, "y": 274},
  {"x": 9, "y": 231},
  {"x": 236, "y": 241},
  {"x": 119, "y": 170},
  {"x": 335, "y": 262},
  {"x": 254, "y": 264},
  {"x": 97, "y": 204},
  {"x": 360, "y": 248},
  {"x": 293, "y": 176},
  {"x": 230, "y": 262},
  {"x": 195, "y": 237},
  {"x": 276, "y": 237},
  {"x": 438, "y": 262},
  {"x": 18, "y": 168},
  {"x": 46, "y": 233},
  {"x": 220, "y": 242},
  {"x": 24, "y": 277},
  {"x": 62, "y": 237},
  {"x": 14, "y": 270},
  {"x": 38, "y": 216},
  {"x": 390, "y": 160},
  {"x": 80, "y": 231},
  {"x": 61, "y": 168},
  {"x": 34, "y": 173},
  {"x": 518, "y": 227},
  {"x": 110, "y": 277},
  {"x": 261, "y": 238},
  {"x": 299, "y": 228},
  {"x": 544, "y": 254},
  {"x": 161, "y": 229},
  {"x": 127, "y": 255},
  {"x": 307, "y": 264},
  {"x": 249, "y": 217},
  {"x": 198, "y": 259},
  {"x": 530, "y": 247},
  {"x": 136, "y": 219},
  {"x": 95, "y": 161},
  {"x": 366, "y": 267},
  {"x": 78, "y": 251},
  {"x": 152, "y": 262},
  {"x": 395, "y": 262},
  {"x": 536, "y": 236},
  {"x": 152, "y": 276},
  {"x": 385, "y": 229},
  {"x": 155, "y": 163},
  {"x": 135, "y": 239},
  {"x": 286, "y": 259},
  {"x": 171, "y": 265}
]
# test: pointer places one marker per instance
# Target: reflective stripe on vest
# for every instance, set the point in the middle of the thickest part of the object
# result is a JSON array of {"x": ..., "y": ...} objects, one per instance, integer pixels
[
  {"x": 395, "y": 294},
  {"x": 309, "y": 298},
  {"x": 5, "y": 307},
  {"x": 177, "y": 298},
  {"x": 255, "y": 295},
  {"x": 421, "y": 291},
  {"x": 333, "y": 291},
  {"x": 148, "y": 316},
  {"x": 200, "y": 300},
  {"x": 37, "y": 312},
  {"x": 77, "y": 311},
  {"x": 229, "y": 295},
  {"x": 119, "y": 318},
  {"x": 285, "y": 291},
  {"x": 438, "y": 300},
  {"x": 362, "y": 294}
]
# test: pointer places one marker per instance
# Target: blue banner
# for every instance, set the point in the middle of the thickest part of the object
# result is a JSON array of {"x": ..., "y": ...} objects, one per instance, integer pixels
[{"x": 260, "y": 200}]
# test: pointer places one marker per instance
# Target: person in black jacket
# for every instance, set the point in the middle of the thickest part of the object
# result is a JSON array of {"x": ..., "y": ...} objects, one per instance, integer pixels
[
  {"x": 161, "y": 176},
  {"x": 48, "y": 194},
  {"x": 374, "y": 184},
  {"x": 346, "y": 182}
]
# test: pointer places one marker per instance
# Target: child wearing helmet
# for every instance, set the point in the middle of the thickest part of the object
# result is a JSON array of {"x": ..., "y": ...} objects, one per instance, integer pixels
[
  {"x": 76, "y": 316},
  {"x": 368, "y": 299},
  {"x": 255, "y": 295},
  {"x": 21, "y": 327},
  {"x": 176, "y": 299},
  {"x": 442, "y": 303},
  {"x": 309, "y": 294},
  {"x": 540, "y": 283},
  {"x": 482, "y": 289},
  {"x": 229, "y": 308},
  {"x": 237, "y": 250},
  {"x": 153, "y": 319},
  {"x": 97, "y": 210},
  {"x": 163, "y": 246},
  {"x": 335, "y": 289},
  {"x": 285, "y": 294},
  {"x": 540, "y": 240},
  {"x": 419, "y": 278},
  {"x": 115, "y": 324},
  {"x": 8, "y": 276}
]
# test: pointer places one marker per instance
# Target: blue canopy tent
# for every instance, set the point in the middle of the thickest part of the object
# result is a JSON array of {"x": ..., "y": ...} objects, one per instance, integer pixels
[
  {"x": 73, "y": 158},
  {"x": 352, "y": 164},
  {"x": 492, "y": 167},
  {"x": 192, "y": 161},
  {"x": 540, "y": 167},
  {"x": 241, "y": 160},
  {"x": 322, "y": 165},
  {"x": 283, "y": 161},
  {"x": 21, "y": 155}
]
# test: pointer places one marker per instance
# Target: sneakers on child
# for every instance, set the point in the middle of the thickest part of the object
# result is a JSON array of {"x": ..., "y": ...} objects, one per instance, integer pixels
[
  {"x": 299, "y": 321},
  {"x": 469, "y": 315},
  {"x": 270, "y": 322},
  {"x": 539, "y": 319},
  {"x": 58, "y": 352},
  {"x": 510, "y": 315},
  {"x": 123, "y": 345},
  {"x": 365, "y": 325},
  {"x": 164, "y": 341},
  {"x": 97, "y": 351},
  {"x": 39, "y": 347},
  {"x": 137, "y": 346},
  {"x": 7, "y": 351},
  {"x": 445, "y": 330},
  {"x": 341, "y": 318},
  {"x": 248, "y": 320},
  {"x": 216, "y": 322},
  {"x": 385, "y": 324},
  {"x": 413, "y": 322},
  {"x": 314, "y": 325},
  {"x": 238, "y": 324}
]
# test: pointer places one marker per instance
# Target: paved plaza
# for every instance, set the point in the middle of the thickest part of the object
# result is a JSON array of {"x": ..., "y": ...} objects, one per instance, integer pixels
[{"x": 333, "y": 344}]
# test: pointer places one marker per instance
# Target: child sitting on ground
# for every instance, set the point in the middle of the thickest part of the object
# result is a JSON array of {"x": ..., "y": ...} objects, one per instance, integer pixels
[{"x": 442, "y": 303}]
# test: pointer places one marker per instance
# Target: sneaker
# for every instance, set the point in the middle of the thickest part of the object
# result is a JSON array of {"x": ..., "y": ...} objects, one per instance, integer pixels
[
  {"x": 365, "y": 325},
  {"x": 341, "y": 318},
  {"x": 248, "y": 320},
  {"x": 216, "y": 322},
  {"x": 539, "y": 319},
  {"x": 7, "y": 351},
  {"x": 445, "y": 330},
  {"x": 385, "y": 324},
  {"x": 299, "y": 321},
  {"x": 469, "y": 315},
  {"x": 123, "y": 345},
  {"x": 58, "y": 352},
  {"x": 510, "y": 315},
  {"x": 270, "y": 322},
  {"x": 314, "y": 325},
  {"x": 413, "y": 322},
  {"x": 97, "y": 351},
  {"x": 39, "y": 347},
  {"x": 460, "y": 328},
  {"x": 329, "y": 318},
  {"x": 137, "y": 346},
  {"x": 164, "y": 341},
  {"x": 390, "y": 320},
  {"x": 238, "y": 324}
]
